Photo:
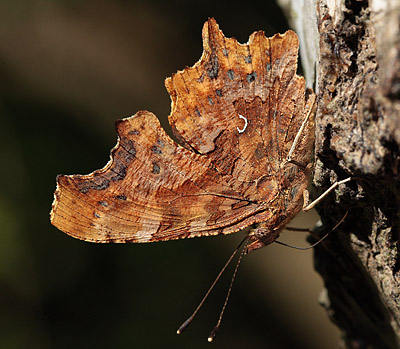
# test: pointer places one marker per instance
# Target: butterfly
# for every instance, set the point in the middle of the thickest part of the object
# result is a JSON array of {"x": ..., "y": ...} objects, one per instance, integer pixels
[{"x": 244, "y": 121}]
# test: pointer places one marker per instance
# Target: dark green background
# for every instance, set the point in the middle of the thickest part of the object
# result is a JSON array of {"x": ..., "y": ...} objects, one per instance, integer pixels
[{"x": 68, "y": 70}]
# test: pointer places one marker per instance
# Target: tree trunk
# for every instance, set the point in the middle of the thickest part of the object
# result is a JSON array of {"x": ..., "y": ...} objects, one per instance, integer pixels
[{"x": 351, "y": 56}]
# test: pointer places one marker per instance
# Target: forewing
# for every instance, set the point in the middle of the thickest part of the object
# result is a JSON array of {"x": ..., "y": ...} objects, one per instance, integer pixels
[{"x": 241, "y": 106}]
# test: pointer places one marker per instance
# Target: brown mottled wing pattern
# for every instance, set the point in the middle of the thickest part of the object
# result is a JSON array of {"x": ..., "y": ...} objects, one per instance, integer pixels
[
  {"x": 152, "y": 189},
  {"x": 236, "y": 112},
  {"x": 257, "y": 81}
]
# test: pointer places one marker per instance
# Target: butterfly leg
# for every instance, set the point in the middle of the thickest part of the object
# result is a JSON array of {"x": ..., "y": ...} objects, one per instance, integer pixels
[{"x": 308, "y": 206}]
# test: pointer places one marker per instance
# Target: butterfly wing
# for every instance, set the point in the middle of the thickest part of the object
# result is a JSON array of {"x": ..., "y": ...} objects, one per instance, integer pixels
[
  {"x": 242, "y": 106},
  {"x": 151, "y": 190},
  {"x": 236, "y": 112}
]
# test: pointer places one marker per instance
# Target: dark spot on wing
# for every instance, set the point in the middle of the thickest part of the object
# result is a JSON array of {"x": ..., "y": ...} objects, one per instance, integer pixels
[
  {"x": 251, "y": 77},
  {"x": 259, "y": 153},
  {"x": 129, "y": 147},
  {"x": 119, "y": 169},
  {"x": 155, "y": 149},
  {"x": 212, "y": 66},
  {"x": 156, "y": 168},
  {"x": 97, "y": 183},
  {"x": 248, "y": 59},
  {"x": 201, "y": 78},
  {"x": 134, "y": 132}
]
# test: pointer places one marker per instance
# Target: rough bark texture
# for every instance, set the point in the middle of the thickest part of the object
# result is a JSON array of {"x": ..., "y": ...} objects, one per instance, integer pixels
[{"x": 357, "y": 135}]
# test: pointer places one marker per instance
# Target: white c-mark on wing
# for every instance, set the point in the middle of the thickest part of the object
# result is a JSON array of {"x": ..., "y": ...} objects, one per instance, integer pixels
[{"x": 245, "y": 124}]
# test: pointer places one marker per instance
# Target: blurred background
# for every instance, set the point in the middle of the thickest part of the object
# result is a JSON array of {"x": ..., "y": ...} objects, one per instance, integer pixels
[{"x": 68, "y": 70}]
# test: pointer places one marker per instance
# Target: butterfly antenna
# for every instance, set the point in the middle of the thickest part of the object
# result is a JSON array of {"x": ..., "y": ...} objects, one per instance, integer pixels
[
  {"x": 191, "y": 317},
  {"x": 316, "y": 243},
  {"x": 216, "y": 328}
]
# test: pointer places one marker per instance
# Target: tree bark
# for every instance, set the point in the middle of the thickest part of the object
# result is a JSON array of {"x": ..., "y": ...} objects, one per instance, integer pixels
[{"x": 351, "y": 56}]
